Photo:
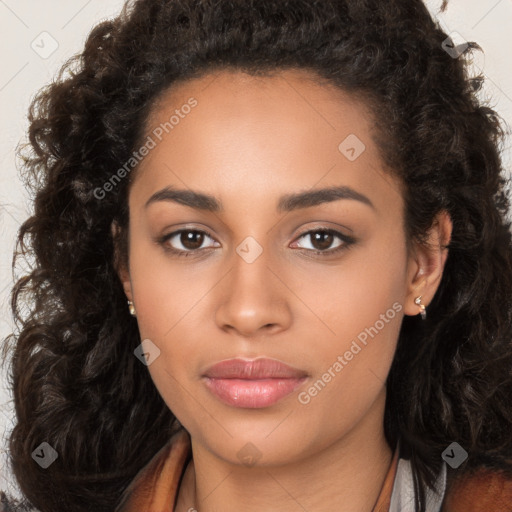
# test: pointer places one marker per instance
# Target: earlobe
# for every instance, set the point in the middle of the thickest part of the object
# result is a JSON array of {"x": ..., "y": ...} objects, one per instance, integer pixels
[
  {"x": 427, "y": 264},
  {"x": 124, "y": 276}
]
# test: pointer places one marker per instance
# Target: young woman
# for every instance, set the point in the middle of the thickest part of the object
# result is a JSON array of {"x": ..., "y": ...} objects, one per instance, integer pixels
[{"x": 272, "y": 269}]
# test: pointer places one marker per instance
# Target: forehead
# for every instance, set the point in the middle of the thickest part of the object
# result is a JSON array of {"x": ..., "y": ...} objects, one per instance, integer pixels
[
  {"x": 291, "y": 97},
  {"x": 260, "y": 135}
]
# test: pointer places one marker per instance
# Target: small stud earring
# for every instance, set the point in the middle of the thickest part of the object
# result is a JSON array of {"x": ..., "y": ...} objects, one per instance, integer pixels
[
  {"x": 131, "y": 307},
  {"x": 423, "y": 312}
]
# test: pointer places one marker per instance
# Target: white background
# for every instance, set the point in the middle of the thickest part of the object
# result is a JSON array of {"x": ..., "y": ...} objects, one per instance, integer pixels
[{"x": 24, "y": 71}]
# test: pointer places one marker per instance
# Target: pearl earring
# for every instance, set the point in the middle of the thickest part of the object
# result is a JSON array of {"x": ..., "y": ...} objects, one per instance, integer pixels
[
  {"x": 131, "y": 307},
  {"x": 423, "y": 311}
]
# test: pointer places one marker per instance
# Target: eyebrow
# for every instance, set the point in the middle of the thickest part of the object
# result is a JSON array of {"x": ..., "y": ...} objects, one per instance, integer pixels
[{"x": 286, "y": 203}]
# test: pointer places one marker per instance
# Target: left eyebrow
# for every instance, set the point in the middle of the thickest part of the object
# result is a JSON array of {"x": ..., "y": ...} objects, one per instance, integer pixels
[
  {"x": 290, "y": 202},
  {"x": 286, "y": 203}
]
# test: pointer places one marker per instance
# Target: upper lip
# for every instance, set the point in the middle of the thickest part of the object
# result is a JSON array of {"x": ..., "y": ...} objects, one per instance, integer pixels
[{"x": 262, "y": 368}]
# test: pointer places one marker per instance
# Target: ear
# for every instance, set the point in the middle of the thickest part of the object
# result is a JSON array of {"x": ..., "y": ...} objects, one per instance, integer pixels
[
  {"x": 121, "y": 263},
  {"x": 426, "y": 264}
]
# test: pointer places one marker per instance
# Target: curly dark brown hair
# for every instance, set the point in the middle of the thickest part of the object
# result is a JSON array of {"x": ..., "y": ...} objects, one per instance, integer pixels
[{"x": 76, "y": 382}]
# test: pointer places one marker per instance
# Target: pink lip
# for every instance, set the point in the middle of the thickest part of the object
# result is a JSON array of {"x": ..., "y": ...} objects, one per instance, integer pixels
[{"x": 252, "y": 384}]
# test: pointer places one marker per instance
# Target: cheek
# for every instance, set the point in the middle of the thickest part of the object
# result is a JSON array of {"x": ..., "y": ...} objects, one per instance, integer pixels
[
  {"x": 351, "y": 365},
  {"x": 166, "y": 293},
  {"x": 355, "y": 295},
  {"x": 361, "y": 308},
  {"x": 359, "y": 327},
  {"x": 169, "y": 303}
]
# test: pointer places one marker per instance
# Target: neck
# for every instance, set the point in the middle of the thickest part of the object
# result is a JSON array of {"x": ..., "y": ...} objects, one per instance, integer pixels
[{"x": 348, "y": 475}]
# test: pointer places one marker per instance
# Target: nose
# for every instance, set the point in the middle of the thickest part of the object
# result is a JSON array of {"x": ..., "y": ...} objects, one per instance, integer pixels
[{"x": 253, "y": 299}]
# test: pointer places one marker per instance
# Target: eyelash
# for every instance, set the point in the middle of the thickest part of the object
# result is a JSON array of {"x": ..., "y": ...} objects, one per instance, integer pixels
[{"x": 347, "y": 242}]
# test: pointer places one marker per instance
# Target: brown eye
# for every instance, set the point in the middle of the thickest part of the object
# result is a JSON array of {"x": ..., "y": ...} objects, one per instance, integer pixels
[
  {"x": 191, "y": 239},
  {"x": 185, "y": 242},
  {"x": 322, "y": 240}
]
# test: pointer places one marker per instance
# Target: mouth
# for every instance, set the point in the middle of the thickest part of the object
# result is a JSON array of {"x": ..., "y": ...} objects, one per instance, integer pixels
[{"x": 254, "y": 383}]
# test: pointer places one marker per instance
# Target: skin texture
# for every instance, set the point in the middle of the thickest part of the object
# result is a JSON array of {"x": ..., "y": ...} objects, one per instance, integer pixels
[{"x": 248, "y": 142}]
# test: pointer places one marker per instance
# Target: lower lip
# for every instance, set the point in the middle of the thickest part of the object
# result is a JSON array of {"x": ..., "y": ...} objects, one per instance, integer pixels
[{"x": 252, "y": 394}]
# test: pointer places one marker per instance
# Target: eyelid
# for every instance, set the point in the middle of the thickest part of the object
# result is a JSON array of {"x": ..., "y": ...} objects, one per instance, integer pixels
[{"x": 324, "y": 227}]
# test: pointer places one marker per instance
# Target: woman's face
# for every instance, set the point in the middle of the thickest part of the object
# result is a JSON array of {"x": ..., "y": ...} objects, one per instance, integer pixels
[{"x": 254, "y": 287}]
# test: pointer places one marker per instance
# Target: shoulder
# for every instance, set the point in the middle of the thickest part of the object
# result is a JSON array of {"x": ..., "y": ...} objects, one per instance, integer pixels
[{"x": 481, "y": 490}]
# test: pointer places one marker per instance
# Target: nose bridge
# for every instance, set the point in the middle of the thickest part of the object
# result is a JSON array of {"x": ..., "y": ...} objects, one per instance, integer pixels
[
  {"x": 253, "y": 297},
  {"x": 251, "y": 267}
]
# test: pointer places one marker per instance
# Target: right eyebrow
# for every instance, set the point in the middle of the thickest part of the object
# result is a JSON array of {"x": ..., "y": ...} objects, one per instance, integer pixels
[{"x": 316, "y": 197}]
